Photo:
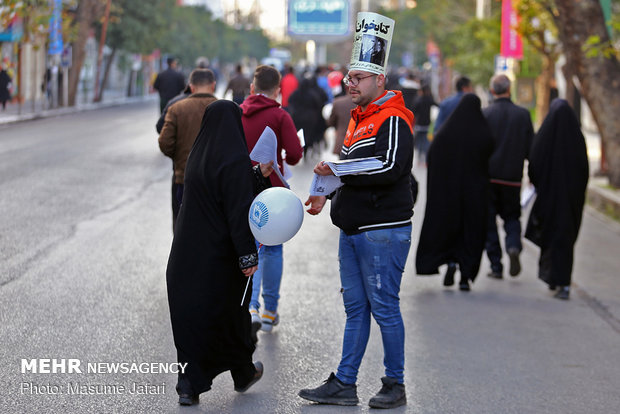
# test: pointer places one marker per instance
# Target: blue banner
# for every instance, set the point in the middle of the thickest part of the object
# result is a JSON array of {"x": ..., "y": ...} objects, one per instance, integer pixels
[{"x": 56, "y": 45}]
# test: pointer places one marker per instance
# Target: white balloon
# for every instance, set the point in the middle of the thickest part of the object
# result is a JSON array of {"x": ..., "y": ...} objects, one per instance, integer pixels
[{"x": 275, "y": 216}]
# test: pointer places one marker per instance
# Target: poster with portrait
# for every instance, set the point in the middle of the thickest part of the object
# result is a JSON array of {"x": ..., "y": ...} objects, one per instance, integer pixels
[{"x": 371, "y": 44}]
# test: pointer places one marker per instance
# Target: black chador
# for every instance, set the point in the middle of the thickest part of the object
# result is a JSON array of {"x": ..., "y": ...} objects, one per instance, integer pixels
[
  {"x": 212, "y": 242},
  {"x": 559, "y": 170},
  {"x": 455, "y": 220}
]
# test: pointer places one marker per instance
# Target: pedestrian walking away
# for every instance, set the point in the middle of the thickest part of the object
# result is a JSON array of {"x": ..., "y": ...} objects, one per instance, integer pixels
[
  {"x": 463, "y": 86},
  {"x": 512, "y": 130},
  {"x": 422, "y": 105},
  {"x": 373, "y": 211},
  {"x": 239, "y": 85},
  {"x": 5, "y": 83},
  {"x": 559, "y": 170},
  {"x": 213, "y": 253},
  {"x": 288, "y": 85},
  {"x": 305, "y": 106},
  {"x": 261, "y": 110},
  {"x": 201, "y": 63},
  {"x": 455, "y": 218},
  {"x": 446, "y": 107},
  {"x": 169, "y": 83},
  {"x": 181, "y": 126}
]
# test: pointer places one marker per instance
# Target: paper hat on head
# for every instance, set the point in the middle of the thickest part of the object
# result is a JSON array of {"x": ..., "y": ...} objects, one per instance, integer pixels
[{"x": 371, "y": 44}]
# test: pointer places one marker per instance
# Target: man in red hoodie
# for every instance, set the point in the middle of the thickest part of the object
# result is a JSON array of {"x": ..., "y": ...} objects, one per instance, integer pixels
[{"x": 261, "y": 110}]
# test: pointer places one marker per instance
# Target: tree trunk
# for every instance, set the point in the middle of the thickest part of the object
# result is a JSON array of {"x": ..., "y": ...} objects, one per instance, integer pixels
[
  {"x": 106, "y": 73},
  {"x": 543, "y": 83},
  {"x": 88, "y": 11},
  {"x": 599, "y": 76}
]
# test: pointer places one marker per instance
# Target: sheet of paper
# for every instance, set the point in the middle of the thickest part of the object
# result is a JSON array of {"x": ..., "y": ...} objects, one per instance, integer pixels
[
  {"x": 527, "y": 194},
  {"x": 266, "y": 150},
  {"x": 302, "y": 139},
  {"x": 323, "y": 185},
  {"x": 288, "y": 174}
]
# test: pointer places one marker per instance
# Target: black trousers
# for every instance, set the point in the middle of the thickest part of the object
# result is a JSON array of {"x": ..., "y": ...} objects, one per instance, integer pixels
[{"x": 505, "y": 201}]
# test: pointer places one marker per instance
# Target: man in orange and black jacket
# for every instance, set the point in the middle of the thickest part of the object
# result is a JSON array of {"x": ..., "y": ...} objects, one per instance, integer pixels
[{"x": 373, "y": 209}]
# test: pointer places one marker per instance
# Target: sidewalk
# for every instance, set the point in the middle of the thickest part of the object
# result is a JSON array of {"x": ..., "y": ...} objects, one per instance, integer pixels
[
  {"x": 600, "y": 195},
  {"x": 28, "y": 112}
]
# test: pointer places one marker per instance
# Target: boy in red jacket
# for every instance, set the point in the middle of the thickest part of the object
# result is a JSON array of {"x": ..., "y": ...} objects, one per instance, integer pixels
[{"x": 260, "y": 110}]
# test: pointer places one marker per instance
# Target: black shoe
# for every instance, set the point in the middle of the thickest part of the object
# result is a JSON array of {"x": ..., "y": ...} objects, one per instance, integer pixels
[
  {"x": 391, "y": 395},
  {"x": 552, "y": 287},
  {"x": 333, "y": 391},
  {"x": 562, "y": 293},
  {"x": 464, "y": 285},
  {"x": 448, "y": 279},
  {"x": 495, "y": 275},
  {"x": 515, "y": 265},
  {"x": 188, "y": 399},
  {"x": 258, "y": 375}
]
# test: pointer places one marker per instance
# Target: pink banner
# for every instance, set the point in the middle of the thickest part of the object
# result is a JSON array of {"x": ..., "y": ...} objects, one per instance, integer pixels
[{"x": 511, "y": 41}]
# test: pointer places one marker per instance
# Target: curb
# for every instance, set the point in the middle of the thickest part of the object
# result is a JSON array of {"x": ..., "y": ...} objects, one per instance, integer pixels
[
  {"x": 31, "y": 116},
  {"x": 604, "y": 199}
]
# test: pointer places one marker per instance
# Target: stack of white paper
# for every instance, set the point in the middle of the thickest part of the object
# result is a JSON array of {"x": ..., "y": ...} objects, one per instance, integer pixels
[{"x": 354, "y": 166}]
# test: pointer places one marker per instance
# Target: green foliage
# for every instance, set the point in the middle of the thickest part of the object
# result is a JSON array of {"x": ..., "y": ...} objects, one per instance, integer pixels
[
  {"x": 192, "y": 32},
  {"x": 35, "y": 15},
  {"x": 595, "y": 46},
  {"x": 467, "y": 44},
  {"x": 409, "y": 37},
  {"x": 473, "y": 46},
  {"x": 136, "y": 26},
  {"x": 537, "y": 26}
]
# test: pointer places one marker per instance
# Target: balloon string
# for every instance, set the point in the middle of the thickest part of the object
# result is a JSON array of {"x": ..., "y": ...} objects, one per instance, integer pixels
[{"x": 249, "y": 278}]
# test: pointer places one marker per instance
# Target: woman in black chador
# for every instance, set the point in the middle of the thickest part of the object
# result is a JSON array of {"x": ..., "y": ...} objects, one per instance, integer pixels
[
  {"x": 454, "y": 227},
  {"x": 558, "y": 168},
  {"x": 213, "y": 254}
]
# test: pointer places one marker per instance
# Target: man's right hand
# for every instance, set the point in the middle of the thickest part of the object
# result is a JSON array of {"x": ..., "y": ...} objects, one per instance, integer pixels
[
  {"x": 323, "y": 169},
  {"x": 316, "y": 204}
]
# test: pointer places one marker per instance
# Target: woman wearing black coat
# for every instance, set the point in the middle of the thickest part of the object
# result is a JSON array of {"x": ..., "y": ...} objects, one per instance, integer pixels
[{"x": 558, "y": 168}]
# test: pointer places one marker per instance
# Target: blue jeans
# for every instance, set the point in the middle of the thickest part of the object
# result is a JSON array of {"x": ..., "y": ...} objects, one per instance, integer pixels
[
  {"x": 269, "y": 275},
  {"x": 371, "y": 268}
]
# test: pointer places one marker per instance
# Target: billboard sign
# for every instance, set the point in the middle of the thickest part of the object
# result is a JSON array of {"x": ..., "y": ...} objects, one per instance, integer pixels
[{"x": 318, "y": 18}]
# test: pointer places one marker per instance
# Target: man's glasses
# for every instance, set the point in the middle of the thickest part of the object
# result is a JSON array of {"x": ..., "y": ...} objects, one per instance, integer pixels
[{"x": 355, "y": 80}]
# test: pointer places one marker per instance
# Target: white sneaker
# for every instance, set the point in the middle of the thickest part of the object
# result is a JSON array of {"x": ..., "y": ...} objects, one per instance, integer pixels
[
  {"x": 269, "y": 320},
  {"x": 256, "y": 323}
]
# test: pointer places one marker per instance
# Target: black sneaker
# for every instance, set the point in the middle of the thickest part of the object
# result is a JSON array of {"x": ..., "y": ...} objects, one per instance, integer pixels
[
  {"x": 495, "y": 275},
  {"x": 188, "y": 399},
  {"x": 333, "y": 391},
  {"x": 464, "y": 285},
  {"x": 448, "y": 279},
  {"x": 515, "y": 265},
  {"x": 257, "y": 376},
  {"x": 391, "y": 395}
]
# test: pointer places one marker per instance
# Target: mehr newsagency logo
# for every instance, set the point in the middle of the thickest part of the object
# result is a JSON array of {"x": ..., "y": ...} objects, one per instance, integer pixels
[{"x": 76, "y": 367}]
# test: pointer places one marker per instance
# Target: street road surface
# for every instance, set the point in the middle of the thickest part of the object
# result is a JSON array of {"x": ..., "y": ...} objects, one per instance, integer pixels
[{"x": 85, "y": 233}]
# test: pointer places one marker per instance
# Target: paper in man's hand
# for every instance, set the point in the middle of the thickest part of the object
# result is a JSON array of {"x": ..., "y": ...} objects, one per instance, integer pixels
[
  {"x": 266, "y": 150},
  {"x": 324, "y": 185}
]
